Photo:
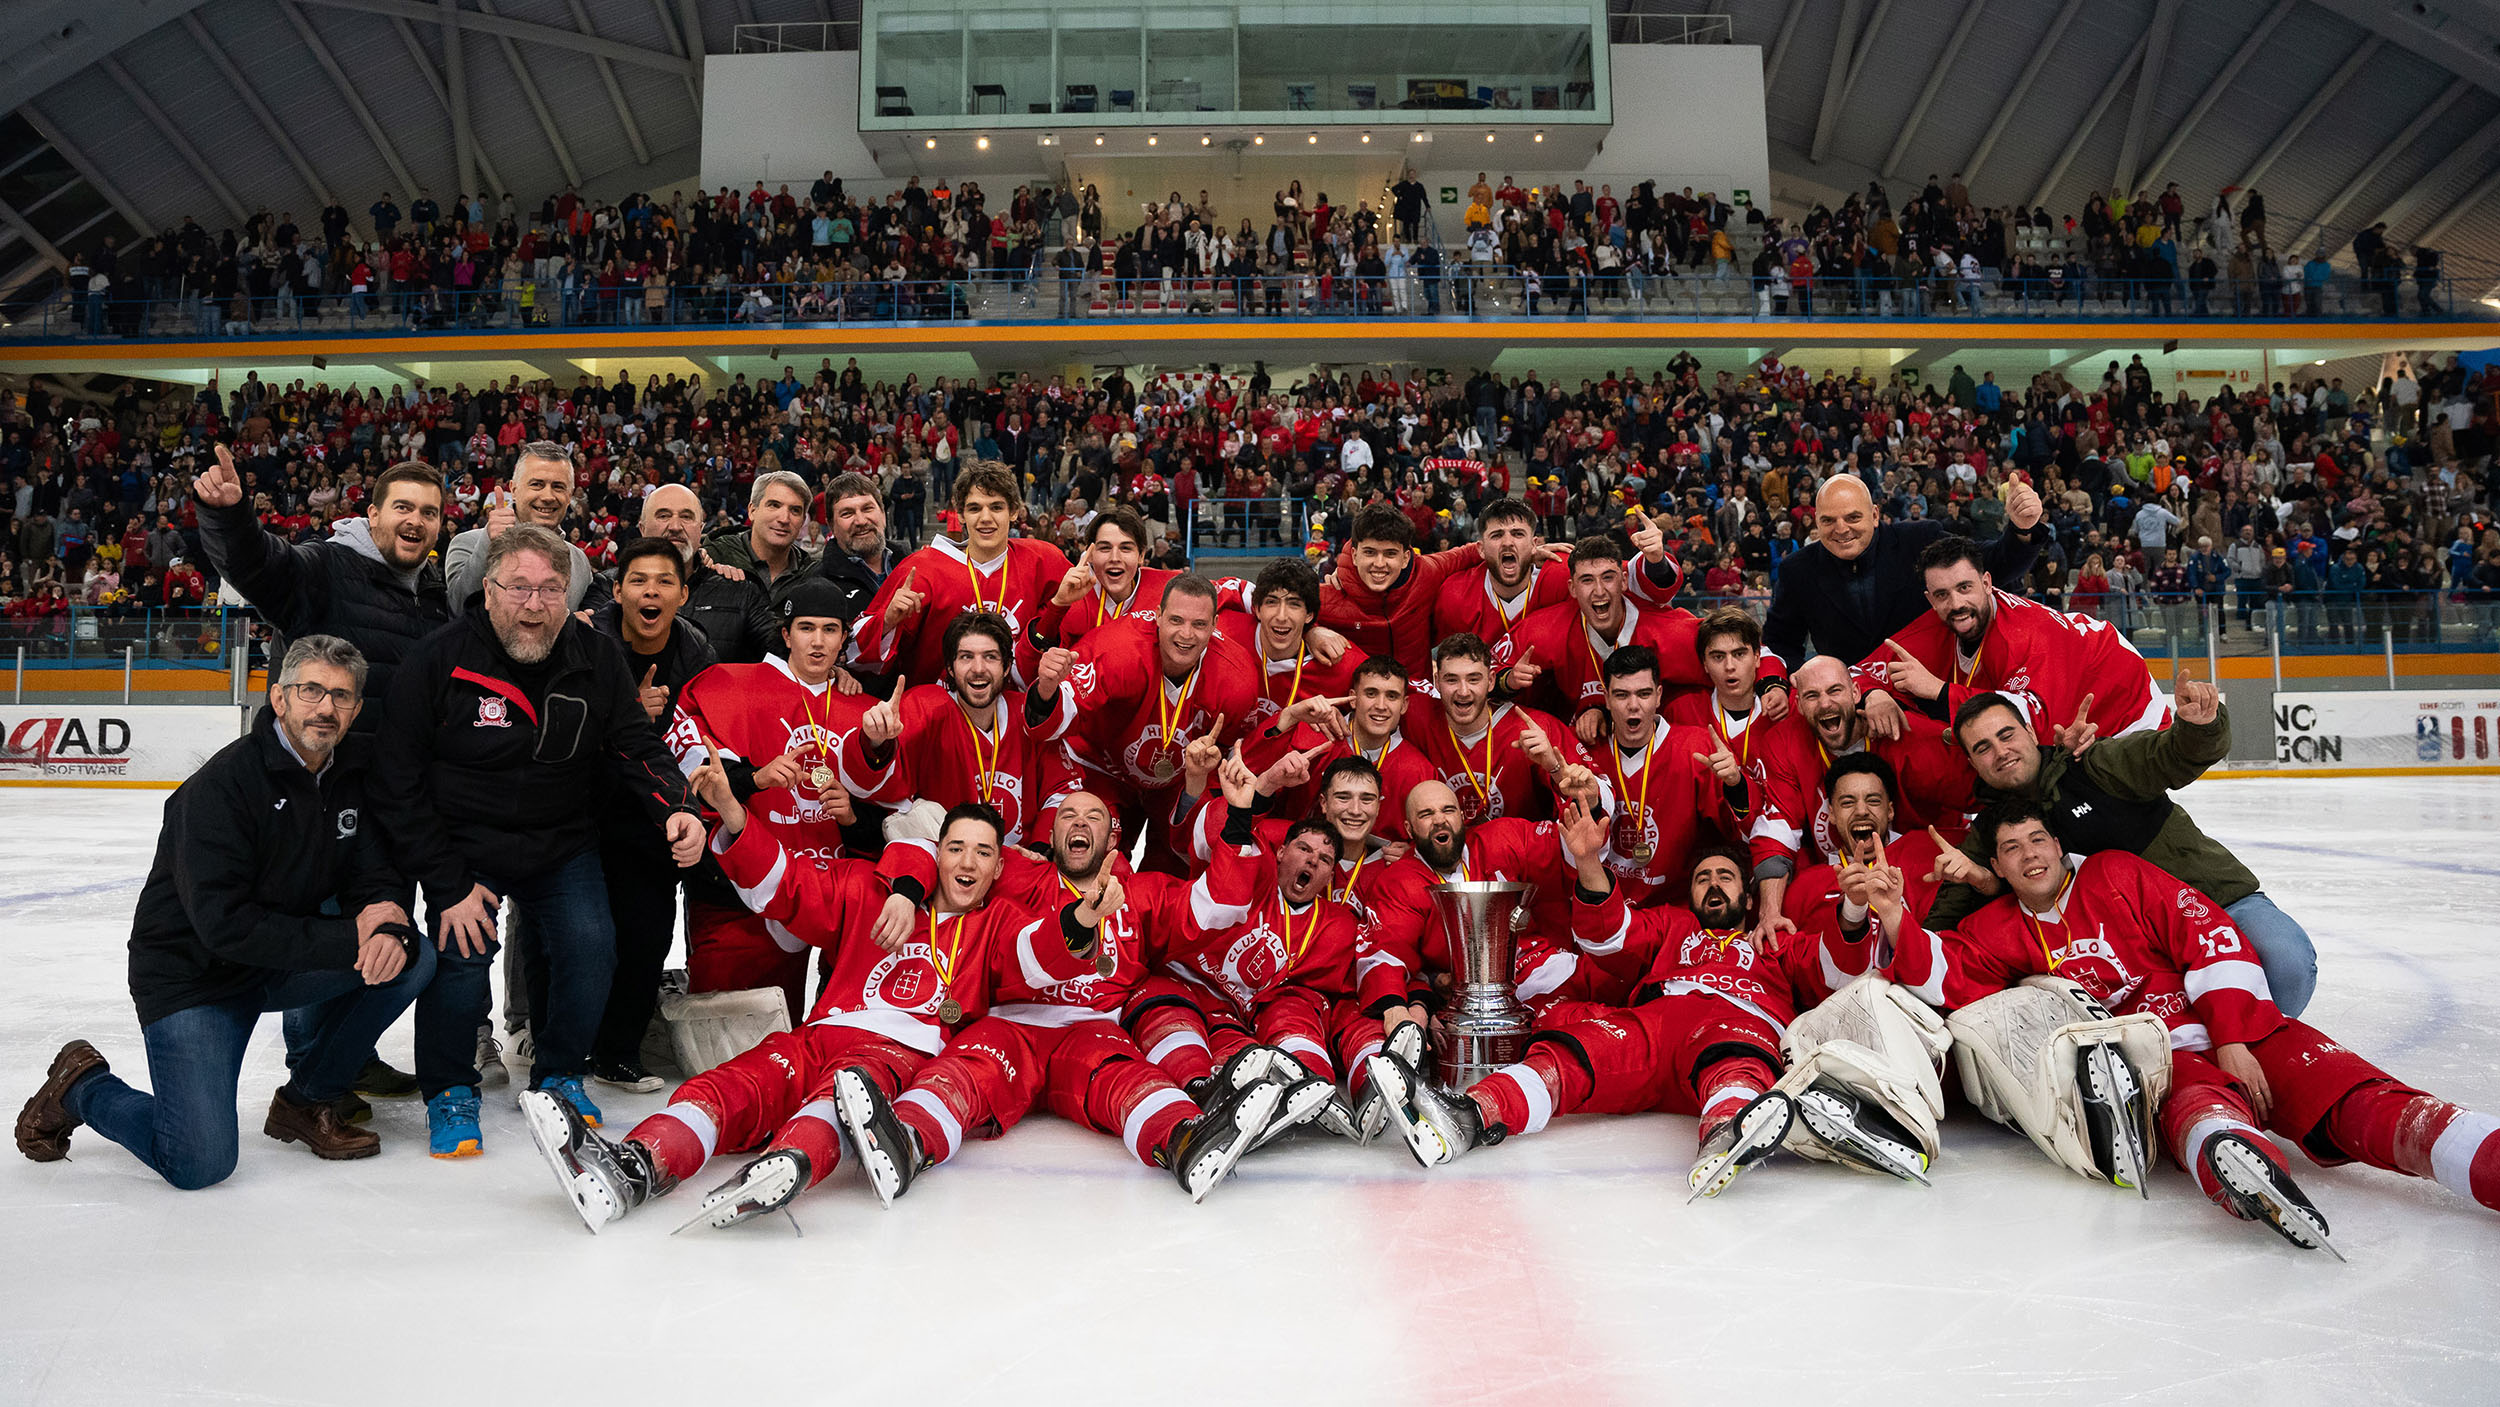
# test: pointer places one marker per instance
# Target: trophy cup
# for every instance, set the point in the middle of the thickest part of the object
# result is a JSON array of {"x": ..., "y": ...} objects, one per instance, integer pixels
[{"x": 1484, "y": 1027}]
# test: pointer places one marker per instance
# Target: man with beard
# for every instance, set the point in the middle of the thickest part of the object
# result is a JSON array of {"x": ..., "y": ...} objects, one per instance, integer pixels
[
  {"x": 1978, "y": 640},
  {"x": 790, "y": 741},
  {"x": 856, "y": 551},
  {"x": 502, "y": 724},
  {"x": 730, "y": 611},
  {"x": 1502, "y": 759},
  {"x": 542, "y": 493},
  {"x": 1109, "y": 582},
  {"x": 1490, "y": 598},
  {"x": 963, "y": 739},
  {"x": 906, "y": 967},
  {"x": 2140, "y": 940},
  {"x": 1792, "y": 822},
  {"x": 1701, "y": 1036},
  {"x": 661, "y": 655},
  {"x": 902, "y": 633},
  {"x": 1675, "y": 787},
  {"x": 1126, "y": 705},
  {"x": 2116, "y": 796},
  {"x": 1857, "y": 583},
  {"x": 1562, "y": 650},
  {"x": 1066, "y": 1050},
  {"x": 1248, "y": 979}
]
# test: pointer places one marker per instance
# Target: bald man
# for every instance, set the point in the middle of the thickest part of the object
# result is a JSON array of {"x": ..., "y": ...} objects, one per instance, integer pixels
[
  {"x": 732, "y": 614},
  {"x": 1857, "y": 584}
]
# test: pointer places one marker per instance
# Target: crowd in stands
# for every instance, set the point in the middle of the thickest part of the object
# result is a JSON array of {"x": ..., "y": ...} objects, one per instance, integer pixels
[
  {"x": 828, "y": 254},
  {"x": 2310, "y": 494}
]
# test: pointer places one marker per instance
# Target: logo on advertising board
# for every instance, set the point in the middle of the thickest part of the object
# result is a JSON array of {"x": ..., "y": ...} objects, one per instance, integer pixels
[{"x": 66, "y": 745}]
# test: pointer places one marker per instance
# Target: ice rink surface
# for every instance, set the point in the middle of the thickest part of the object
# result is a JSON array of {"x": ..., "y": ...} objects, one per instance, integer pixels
[{"x": 1048, "y": 1267}]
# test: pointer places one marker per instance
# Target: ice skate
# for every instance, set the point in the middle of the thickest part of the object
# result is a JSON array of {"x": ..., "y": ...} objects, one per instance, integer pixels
[
  {"x": 1438, "y": 1129},
  {"x": 1301, "y": 1101},
  {"x": 1371, "y": 1112},
  {"x": 1755, "y": 1133},
  {"x": 765, "y": 1185},
  {"x": 2113, "y": 1102},
  {"x": 2255, "y": 1188},
  {"x": 1205, "y": 1149},
  {"x": 1861, "y": 1132},
  {"x": 887, "y": 1149},
  {"x": 605, "y": 1180}
]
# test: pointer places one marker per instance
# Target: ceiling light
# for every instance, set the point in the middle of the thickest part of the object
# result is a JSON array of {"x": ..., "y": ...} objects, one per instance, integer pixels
[
  {"x": 1258, "y": 139},
  {"x": 930, "y": 143},
  {"x": 1152, "y": 139},
  {"x": 1367, "y": 139},
  {"x": 982, "y": 142},
  {"x": 1540, "y": 136},
  {"x": 1315, "y": 139},
  {"x": 1204, "y": 139},
  {"x": 1421, "y": 137},
  {"x": 1098, "y": 139},
  {"x": 1488, "y": 136}
]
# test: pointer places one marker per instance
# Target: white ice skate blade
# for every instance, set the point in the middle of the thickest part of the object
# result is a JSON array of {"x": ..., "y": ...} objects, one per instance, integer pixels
[
  {"x": 1759, "y": 1132},
  {"x": 1250, "y": 1121},
  {"x": 769, "y": 1182},
  {"x": 544, "y": 1118},
  {"x": 851, "y": 1098},
  {"x": 1843, "y": 1136},
  {"x": 2247, "y": 1173}
]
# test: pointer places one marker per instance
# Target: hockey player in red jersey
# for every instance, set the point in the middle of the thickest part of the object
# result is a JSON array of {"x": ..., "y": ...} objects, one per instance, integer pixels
[
  {"x": 1490, "y": 598},
  {"x": 1377, "y": 701},
  {"x": 1976, "y": 639},
  {"x": 789, "y": 739},
  {"x": 881, "y": 1016},
  {"x": 1263, "y": 955},
  {"x": 1828, "y": 899},
  {"x": 1675, "y": 788},
  {"x": 1700, "y": 1036},
  {"x": 2139, "y": 940},
  {"x": 1792, "y": 813},
  {"x": 1560, "y": 660},
  {"x": 1301, "y": 696},
  {"x": 1383, "y": 593},
  {"x": 1111, "y": 581},
  {"x": 1503, "y": 759},
  {"x": 1066, "y": 1050},
  {"x": 903, "y": 633},
  {"x": 1134, "y": 696},
  {"x": 962, "y": 739}
]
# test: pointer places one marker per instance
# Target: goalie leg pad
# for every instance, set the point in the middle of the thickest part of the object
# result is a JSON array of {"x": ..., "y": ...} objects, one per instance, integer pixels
[
  {"x": 712, "y": 1028},
  {"x": 1883, "y": 1046},
  {"x": 2046, "y": 1059}
]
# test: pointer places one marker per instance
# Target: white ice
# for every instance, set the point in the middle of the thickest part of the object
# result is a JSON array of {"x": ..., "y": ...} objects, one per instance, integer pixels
[{"x": 1050, "y": 1267}]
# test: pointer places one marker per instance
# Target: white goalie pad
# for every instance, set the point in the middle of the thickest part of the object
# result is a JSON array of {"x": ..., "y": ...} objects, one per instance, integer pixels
[
  {"x": 711, "y": 1028},
  {"x": 919, "y": 821},
  {"x": 1877, "y": 1039},
  {"x": 2017, "y": 1053}
]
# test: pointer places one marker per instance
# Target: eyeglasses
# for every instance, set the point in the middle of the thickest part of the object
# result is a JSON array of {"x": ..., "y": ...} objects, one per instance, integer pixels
[
  {"x": 309, "y": 694},
  {"x": 527, "y": 594}
]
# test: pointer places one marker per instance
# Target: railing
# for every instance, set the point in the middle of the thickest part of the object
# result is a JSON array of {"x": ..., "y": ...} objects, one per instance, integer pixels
[
  {"x": 1630, "y": 27},
  {"x": 1475, "y": 292},
  {"x": 813, "y": 37},
  {"x": 1247, "y": 527},
  {"x": 98, "y": 637}
]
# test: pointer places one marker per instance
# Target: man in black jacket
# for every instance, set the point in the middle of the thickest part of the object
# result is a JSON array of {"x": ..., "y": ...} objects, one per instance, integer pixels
[
  {"x": 732, "y": 612},
  {"x": 857, "y": 556},
  {"x": 1857, "y": 584},
  {"x": 268, "y": 894},
  {"x": 371, "y": 584},
  {"x": 506, "y": 727}
]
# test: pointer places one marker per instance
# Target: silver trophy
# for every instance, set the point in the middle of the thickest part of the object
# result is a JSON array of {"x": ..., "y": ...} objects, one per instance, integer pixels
[{"x": 1484, "y": 1027}]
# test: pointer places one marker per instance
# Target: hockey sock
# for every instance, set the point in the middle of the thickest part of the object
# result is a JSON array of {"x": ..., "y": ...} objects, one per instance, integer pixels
[
  {"x": 935, "y": 1115},
  {"x": 2389, "y": 1126},
  {"x": 681, "y": 1138},
  {"x": 1727, "y": 1086},
  {"x": 2187, "y": 1124},
  {"x": 1175, "y": 1037},
  {"x": 1310, "y": 1054},
  {"x": 1355, "y": 1075},
  {"x": 1154, "y": 1122},
  {"x": 1521, "y": 1098},
  {"x": 1137, "y": 1101},
  {"x": 816, "y": 1132}
]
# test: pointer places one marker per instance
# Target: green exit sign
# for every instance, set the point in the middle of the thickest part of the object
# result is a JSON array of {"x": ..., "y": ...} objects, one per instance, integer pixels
[
  {"x": 1449, "y": 195},
  {"x": 1741, "y": 196}
]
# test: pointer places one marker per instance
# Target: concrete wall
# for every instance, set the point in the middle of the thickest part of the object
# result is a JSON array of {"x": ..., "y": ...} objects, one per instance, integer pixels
[{"x": 781, "y": 118}]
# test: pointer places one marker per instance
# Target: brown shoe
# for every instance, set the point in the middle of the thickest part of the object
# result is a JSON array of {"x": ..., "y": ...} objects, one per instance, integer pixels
[
  {"x": 318, "y": 1127},
  {"x": 43, "y": 1126}
]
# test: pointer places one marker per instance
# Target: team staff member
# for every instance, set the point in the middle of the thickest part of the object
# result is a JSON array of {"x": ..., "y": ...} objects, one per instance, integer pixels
[
  {"x": 730, "y": 610},
  {"x": 268, "y": 893},
  {"x": 542, "y": 493},
  {"x": 1857, "y": 584},
  {"x": 857, "y": 556},
  {"x": 766, "y": 550},
  {"x": 505, "y": 724},
  {"x": 662, "y": 652}
]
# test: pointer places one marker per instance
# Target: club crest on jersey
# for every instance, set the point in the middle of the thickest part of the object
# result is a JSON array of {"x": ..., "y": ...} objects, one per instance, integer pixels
[
  {"x": 1148, "y": 758},
  {"x": 1700, "y": 947},
  {"x": 493, "y": 712},
  {"x": 2193, "y": 906},
  {"x": 904, "y": 981},
  {"x": 1083, "y": 676},
  {"x": 1254, "y": 958}
]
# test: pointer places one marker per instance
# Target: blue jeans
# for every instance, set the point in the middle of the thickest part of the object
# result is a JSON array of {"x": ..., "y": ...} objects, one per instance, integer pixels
[
  {"x": 2283, "y": 950},
  {"x": 186, "y": 1130},
  {"x": 567, "y": 910}
]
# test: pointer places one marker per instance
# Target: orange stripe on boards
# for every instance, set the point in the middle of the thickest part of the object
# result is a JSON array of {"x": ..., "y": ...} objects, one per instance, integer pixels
[{"x": 2353, "y": 666}]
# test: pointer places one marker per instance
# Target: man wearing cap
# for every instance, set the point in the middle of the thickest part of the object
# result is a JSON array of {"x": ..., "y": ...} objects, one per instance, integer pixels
[{"x": 789, "y": 741}]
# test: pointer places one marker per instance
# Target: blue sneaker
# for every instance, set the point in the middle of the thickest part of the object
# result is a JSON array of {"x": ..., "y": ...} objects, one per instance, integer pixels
[
  {"x": 451, "y": 1124},
  {"x": 569, "y": 1089}
]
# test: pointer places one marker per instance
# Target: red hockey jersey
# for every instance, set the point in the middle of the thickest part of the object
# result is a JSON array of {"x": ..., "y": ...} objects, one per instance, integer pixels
[
  {"x": 944, "y": 758},
  {"x": 1467, "y": 603},
  {"x": 1126, "y": 724},
  {"x": 2048, "y": 659},
  {"x": 1247, "y": 943},
  {"x": 1016, "y": 586},
  {"x": 756, "y": 712},
  {"x": 1774, "y": 981},
  {"x": 1491, "y": 775}
]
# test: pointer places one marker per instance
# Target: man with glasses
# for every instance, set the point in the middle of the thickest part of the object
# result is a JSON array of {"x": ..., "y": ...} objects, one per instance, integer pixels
[
  {"x": 502, "y": 724},
  {"x": 268, "y": 893}
]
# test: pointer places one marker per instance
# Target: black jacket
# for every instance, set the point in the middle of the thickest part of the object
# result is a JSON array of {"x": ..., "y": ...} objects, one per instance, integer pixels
[
  {"x": 260, "y": 872},
  {"x": 685, "y": 655},
  {"x": 735, "y": 616},
  {"x": 1852, "y": 608},
  {"x": 484, "y": 778},
  {"x": 338, "y": 587}
]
